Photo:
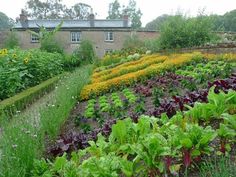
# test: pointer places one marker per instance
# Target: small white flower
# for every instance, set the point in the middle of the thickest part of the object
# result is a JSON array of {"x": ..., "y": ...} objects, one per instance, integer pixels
[{"x": 14, "y": 146}]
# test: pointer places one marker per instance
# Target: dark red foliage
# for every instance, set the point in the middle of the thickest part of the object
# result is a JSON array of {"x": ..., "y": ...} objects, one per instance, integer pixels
[
  {"x": 168, "y": 161},
  {"x": 171, "y": 105},
  {"x": 167, "y": 80},
  {"x": 187, "y": 157},
  {"x": 78, "y": 140}
]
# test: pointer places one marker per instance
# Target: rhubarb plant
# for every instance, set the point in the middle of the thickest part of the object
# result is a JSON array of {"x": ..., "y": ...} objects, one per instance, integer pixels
[
  {"x": 194, "y": 141},
  {"x": 226, "y": 134}
]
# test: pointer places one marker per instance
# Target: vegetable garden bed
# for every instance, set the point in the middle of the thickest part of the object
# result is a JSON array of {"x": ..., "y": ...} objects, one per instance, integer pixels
[{"x": 163, "y": 124}]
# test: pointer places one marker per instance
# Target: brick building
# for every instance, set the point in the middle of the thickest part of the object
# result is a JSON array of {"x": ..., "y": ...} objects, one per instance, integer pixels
[{"x": 106, "y": 35}]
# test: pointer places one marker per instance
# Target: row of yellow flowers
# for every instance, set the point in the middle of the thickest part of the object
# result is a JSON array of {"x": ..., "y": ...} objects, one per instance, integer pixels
[
  {"x": 96, "y": 89},
  {"x": 124, "y": 65},
  {"x": 119, "y": 71},
  {"x": 173, "y": 61},
  {"x": 8, "y": 57}
]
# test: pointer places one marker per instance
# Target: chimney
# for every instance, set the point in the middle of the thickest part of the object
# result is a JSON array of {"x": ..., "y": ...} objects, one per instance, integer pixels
[
  {"x": 91, "y": 18},
  {"x": 23, "y": 16},
  {"x": 125, "y": 19}
]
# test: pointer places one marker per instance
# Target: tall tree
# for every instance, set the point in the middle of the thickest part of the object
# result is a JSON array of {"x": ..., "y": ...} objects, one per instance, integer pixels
[
  {"x": 49, "y": 9},
  {"x": 230, "y": 20},
  {"x": 5, "y": 22},
  {"x": 78, "y": 11},
  {"x": 54, "y": 9},
  {"x": 156, "y": 24},
  {"x": 134, "y": 14},
  {"x": 115, "y": 12}
]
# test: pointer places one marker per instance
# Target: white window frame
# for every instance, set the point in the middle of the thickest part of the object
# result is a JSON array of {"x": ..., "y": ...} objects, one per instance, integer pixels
[
  {"x": 109, "y": 36},
  {"x": 34, "y": 38},
  {"x": 75, "y": 36}
]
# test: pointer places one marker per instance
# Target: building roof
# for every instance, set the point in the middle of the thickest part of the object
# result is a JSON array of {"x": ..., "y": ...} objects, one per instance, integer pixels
[{"x": 72, "y": 24}]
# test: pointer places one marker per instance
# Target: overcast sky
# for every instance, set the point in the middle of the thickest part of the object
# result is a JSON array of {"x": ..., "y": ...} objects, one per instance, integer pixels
[{"x": 150, "y": 8}]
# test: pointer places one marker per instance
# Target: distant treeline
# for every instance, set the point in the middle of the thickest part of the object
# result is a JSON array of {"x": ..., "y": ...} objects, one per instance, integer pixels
[{"x": 226, "y": 22}]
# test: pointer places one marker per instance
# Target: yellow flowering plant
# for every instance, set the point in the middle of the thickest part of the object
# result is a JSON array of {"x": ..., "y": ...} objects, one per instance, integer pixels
[
  {"x": 170, "y": 62},
  {"x": 21, "y": 69}
]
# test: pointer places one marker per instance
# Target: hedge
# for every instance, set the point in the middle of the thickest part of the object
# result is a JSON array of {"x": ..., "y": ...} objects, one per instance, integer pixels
[{"x": 10, "y": 106}]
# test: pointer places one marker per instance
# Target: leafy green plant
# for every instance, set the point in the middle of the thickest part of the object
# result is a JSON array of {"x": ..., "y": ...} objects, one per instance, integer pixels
[
  {"x": 180, "y": 31},
  {"x": 90, "y": 109},
  {"x": 103, "y": 103},
  {"x": 226, "y": 134},
  {"x": 216, "y": 106},
  {"x": 20, "y": 69},
  {"x": 28, "y": 133},
  {"x": 140, "y": 107},
  {"x": 194, "y": 141},
  {"x": 130, "y": 96},
  {"x": 86, "y": 52},
  {"x": 47, "y": 39}
]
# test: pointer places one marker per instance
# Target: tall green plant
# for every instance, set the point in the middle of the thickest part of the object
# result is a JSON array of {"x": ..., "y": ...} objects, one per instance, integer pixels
[
  {"x": 47, "y": 39},
  {"x": 86, "y": 51},
  {"x": 180, "y": 31}
]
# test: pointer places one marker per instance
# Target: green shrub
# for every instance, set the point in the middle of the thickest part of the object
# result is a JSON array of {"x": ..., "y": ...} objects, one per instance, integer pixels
[
  {"x": 179, "y": 32},
  {"x": 153, "y": 45},
  {"x": 71, "y": 61},
  {"x": 10, "y": 106},
  {"x": 21, "y": 69},
  {"x": 51, "y": 45},
  {"x": 133, "y": 42},
  {"x": 47, "y": 39},
  {"x": 86, "y": 52}
]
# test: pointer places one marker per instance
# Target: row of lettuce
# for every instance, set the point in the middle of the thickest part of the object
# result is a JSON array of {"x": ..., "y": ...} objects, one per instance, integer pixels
[
  {"x": 21, "y": 69},
  {"x": 155, "y": 146},
  {"x": 129, "y": 73}
]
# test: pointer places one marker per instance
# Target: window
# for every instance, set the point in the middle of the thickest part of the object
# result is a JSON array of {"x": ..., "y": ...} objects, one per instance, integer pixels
[
  {"x": 75, "y": 37},
  {"x": 109, "y": 36},
  {"x": 108, "y": 51},
  {"x": 34, "y": 38}
]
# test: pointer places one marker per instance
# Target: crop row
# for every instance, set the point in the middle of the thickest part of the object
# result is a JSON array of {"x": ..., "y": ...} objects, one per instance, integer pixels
[
  {"x": 127, "y": 68},
  {"x": 171, "y": 63},
  {"x": 168, "y": 105},
  {"x": 154, "y": 147},
  {"x": 114, "y": 106}
]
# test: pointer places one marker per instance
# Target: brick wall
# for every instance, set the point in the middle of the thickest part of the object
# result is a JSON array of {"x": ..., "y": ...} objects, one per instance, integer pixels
[
  {"x": 218, "y": 49},
  {"x": 3, "y": 35}
]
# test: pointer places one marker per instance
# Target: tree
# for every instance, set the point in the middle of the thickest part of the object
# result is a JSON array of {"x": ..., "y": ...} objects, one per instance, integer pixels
[
  {"x": 5, "y": 22},
  {"x": 54, "y": 9},
  {"x": 51, "y": 9},
  {"x": 179, "y": 31},
  {"x": 115, "y": 12},
  {"x": 78, "y": 11},
  {"x": 134, "y": 14},
  {"x": 156, "y": 24},
  {"x": 230, "y": 21}
]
